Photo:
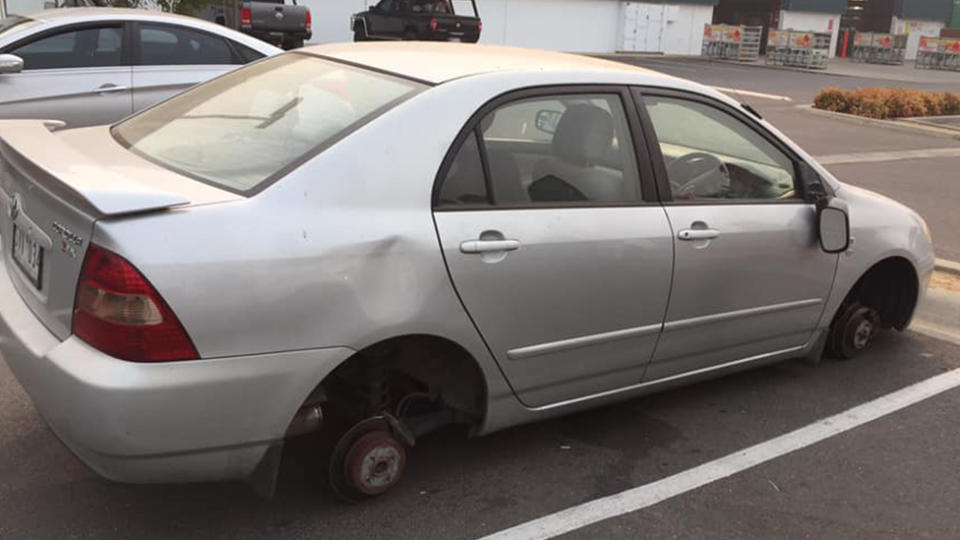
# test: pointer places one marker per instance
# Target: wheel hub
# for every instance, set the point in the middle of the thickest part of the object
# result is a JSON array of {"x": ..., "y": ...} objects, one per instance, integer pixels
[
  {"x": 375, "y": 462},
  {"x": 862, "y": 335}
]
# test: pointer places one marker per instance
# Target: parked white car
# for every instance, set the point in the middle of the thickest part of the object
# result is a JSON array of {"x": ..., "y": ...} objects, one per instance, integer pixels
[
  {"x": 88, "y": 66},
  {"x": 402, "y": 236}
]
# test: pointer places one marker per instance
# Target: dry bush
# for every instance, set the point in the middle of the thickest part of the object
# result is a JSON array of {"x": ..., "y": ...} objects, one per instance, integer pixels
[{"x": 888, "y": 102}]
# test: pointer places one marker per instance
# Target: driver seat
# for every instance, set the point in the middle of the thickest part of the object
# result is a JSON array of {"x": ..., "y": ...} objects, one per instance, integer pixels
[{"x": 583, "y": 136}]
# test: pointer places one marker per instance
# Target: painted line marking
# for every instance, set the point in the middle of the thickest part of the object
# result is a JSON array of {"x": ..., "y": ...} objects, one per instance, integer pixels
[
  {"x": 752, "y": 94},
  {"x": 873, "y": 157},
  {"x": 632, "y": 500}
]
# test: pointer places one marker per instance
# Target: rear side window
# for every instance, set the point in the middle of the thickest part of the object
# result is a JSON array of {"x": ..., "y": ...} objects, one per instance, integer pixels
[
  {"x": 81, "y": 48},
  {"x": 166, "y": 45},
  {"x": 242, "y": 130}
]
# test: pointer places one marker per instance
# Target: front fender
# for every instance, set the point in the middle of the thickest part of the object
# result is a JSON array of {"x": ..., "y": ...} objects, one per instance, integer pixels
[{"x": 881, "y": 229}]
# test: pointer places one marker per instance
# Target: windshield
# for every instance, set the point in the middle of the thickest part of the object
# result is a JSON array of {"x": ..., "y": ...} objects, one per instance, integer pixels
[
  {"x": 242, "y": 130},
  {"x": 13, "y": 24}
]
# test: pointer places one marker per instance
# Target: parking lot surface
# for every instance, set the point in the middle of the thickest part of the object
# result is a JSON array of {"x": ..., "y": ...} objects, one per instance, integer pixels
[{"x": 891, "y": 478}]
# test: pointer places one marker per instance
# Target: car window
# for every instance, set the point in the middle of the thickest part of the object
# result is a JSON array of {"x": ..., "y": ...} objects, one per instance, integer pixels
[
  {"x": 81, "y": 48},
  {"x": 566, "y": 149},
  {"x": 465, "y": 182},
  {"x": 431, "y": 6},
  {"x": 166, "y": 45},
  {"x": 386, "y": 5},
  {"x": 241, "y": 130},
  {"x": 247, "y": 54},
  {"x": 710, "y": 154}
]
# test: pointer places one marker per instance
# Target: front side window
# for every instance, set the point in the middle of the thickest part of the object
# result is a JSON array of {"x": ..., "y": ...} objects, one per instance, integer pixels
[
  {"x": 711, "y": 155},
  {"x": 240, "y": 130},
  {"x": 565, "y": 149},
  {"x": 81, "y": 48},
  {"x": 166, "y": 46}
]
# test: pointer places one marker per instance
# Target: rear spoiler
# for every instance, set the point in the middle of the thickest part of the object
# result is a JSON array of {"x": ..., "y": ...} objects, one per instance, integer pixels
[{"x": 31, "y": 147}]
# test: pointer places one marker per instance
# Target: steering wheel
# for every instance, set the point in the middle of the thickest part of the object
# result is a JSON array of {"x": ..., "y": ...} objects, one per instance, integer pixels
[{"x": 703, "y": 175}]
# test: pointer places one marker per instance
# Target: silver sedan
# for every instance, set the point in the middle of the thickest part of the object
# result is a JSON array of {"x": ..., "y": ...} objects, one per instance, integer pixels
[
  {"x": 90, "y": 66},
  {"x": 397, "y": 237}
]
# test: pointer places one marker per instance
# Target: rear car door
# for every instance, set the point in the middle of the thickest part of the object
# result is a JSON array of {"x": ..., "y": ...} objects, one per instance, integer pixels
[
  {"x": 170, "y": 59},
  {"x": 750, "y": 280},
  {"x": 78, "y": 74},
  {"x": 558, "y": 257}
]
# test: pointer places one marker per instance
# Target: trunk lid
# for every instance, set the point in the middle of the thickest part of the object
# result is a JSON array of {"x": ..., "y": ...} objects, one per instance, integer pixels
[{"x": 53, "y": 189}]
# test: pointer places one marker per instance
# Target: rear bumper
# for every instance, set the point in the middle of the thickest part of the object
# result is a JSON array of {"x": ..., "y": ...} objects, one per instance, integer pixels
[{"x": 205, "y": 420}]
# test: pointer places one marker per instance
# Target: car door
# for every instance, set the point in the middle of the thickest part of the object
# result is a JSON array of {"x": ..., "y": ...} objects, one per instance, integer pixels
[
  {"x": 387, "y": 19},
  {"x": 750, "y": 280},
  {"x": 559, "y": 255},
  {"x": 78, "y": 74},
  {"x": 172, "y": 58}
]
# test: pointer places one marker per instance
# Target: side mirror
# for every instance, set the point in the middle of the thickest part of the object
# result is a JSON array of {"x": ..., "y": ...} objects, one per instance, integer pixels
[
  {"x": 547, "y": 121},
  {"x": 834, "y": 224},
  {"x": 10, "y": 63}
]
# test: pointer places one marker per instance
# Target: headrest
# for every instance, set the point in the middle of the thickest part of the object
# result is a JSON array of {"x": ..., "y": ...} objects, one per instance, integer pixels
[{"x": 584, "y": 134}]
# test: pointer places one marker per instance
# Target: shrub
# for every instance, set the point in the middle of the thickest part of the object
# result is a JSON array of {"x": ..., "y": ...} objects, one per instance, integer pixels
[
  {"x": 887, "y": 102},
  {"x": 832, "y": 99}
]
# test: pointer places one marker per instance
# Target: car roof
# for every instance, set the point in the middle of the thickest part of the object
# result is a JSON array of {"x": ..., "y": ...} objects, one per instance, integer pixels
[
  {"x": 99, "y": 13},
  {"x": 440, "y": 62},
  {"x": 66, "y": 16}
]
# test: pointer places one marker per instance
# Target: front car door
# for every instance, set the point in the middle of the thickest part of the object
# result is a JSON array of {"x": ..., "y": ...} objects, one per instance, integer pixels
[
  {"x": 559, "y": 255},
  {"x": 78, "y": 74},
  {"x": 171, "y": 59},
  {"x": 750, "y": 280}
]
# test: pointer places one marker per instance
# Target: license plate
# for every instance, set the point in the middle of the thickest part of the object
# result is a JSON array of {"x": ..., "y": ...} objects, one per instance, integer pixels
[
  {"x": 456, "y": 39},
  {"x": 28, "y": 255}
]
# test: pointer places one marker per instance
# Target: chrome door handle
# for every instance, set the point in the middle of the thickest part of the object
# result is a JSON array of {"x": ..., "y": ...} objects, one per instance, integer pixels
[
  {"x": 489, "y": 246},
  {"x": 111, "y": 89},
  {"x": 698, "y": 234}
]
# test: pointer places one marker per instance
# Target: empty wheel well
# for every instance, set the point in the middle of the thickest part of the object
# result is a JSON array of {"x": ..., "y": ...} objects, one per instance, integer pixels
[
  {"x": 891, "y": 287},
  {"x": 386, "y": 375}
]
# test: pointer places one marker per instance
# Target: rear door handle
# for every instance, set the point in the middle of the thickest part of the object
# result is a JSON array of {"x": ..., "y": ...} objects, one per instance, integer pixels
[
  {"x": 111, "y": 89},
  {"x": 489, "y": 246},
  {"x": 698, "y": 234}
]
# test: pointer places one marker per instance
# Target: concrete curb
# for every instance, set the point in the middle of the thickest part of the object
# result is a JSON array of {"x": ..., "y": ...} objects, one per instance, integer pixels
[
  {"x": 949, "y": 267},
  {"x": 917, "y": 129},
  {"x": 939, "y": 315}
]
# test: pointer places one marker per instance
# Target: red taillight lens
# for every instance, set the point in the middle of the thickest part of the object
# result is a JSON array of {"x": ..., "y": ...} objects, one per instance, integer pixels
[
  {"x": 309, "y": 21},
  {"x": 434, "y": 24},
  {"x": 246, "y": 18},
  {"x": 479, "y": 27},
  {"x": 118, "y": 312}
]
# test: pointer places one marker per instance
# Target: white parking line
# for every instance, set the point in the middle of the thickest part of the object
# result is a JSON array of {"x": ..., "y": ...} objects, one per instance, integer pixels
[
  {"x": 873, "y": 157},
  {"x": 752, "y": 94},
  {"x": 647, "y": 495}
]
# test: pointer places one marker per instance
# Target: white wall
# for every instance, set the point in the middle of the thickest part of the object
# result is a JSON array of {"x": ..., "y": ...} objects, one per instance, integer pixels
[
  {"x": 331, "y": 18},
  {"x": 812, "y": 22},
  {"x": 23, "y": 7},
  {"x": 563, "y": 25},
  {"x": 915, "y": 30},
  {"x": 684, "y": 35}
]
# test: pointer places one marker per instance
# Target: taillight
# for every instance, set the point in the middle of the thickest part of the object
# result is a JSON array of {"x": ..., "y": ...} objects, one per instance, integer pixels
[
  {"x": 246, "y": 18},
  {"x": 479, "y": 27},
  {"x": 434, "y": 24},
  {"x": 309, "y": 21},
  {"x": 118, "y": 312}
]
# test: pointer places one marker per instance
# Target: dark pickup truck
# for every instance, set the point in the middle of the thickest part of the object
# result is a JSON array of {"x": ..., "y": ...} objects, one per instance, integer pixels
[
  {"x": 424, "y": 20},
  {"x": 273, "y": 21}
]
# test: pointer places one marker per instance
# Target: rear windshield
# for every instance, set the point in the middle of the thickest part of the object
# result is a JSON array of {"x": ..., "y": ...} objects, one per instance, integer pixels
[{"x": 244, "y": 130}]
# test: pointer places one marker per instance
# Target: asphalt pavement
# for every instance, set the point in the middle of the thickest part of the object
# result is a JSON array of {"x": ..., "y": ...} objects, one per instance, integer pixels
[{"x": 894, "y": 477}]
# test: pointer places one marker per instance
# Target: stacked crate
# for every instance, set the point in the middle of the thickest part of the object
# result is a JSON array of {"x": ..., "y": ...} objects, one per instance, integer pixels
[
  {"x": 738, "y": 43},
  {"x": 778, "y": 47},
  {"x": 938, "y": 53},
  {"x": 879, "y": 48},
  {"x": 809, "y": 50}
]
